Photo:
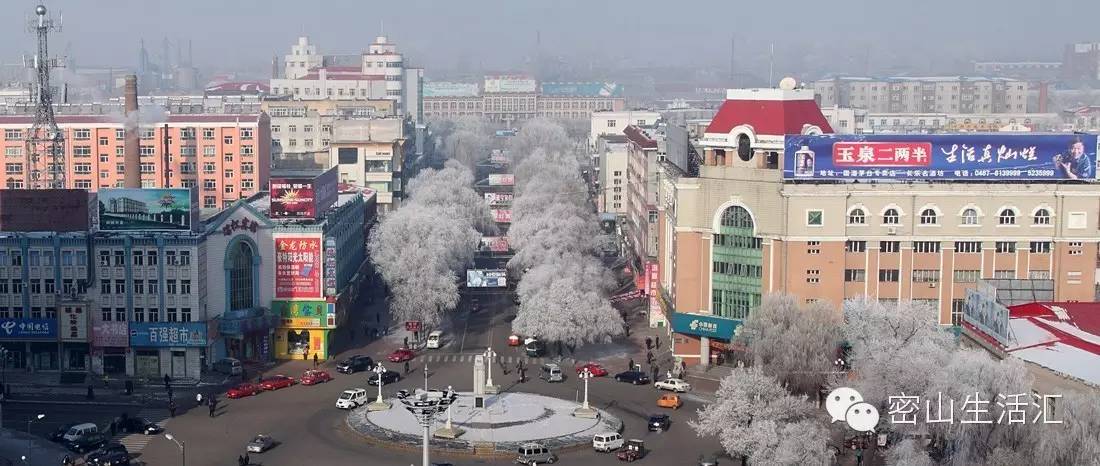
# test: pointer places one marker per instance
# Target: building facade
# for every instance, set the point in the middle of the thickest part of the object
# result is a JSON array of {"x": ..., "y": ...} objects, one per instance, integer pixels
[
  {"x": 924, "y": 94},
  {"x": 612, "y": 152},
  {"x": 858, "y": 121},
  {"x": 520, "y": 99},
  {"x": 610, "y": 122},
  {"x": 371, "y": 153}
]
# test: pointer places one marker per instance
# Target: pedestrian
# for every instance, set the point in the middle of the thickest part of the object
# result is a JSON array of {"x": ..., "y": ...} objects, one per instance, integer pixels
[
  {"x": 172, "y": 408},
  {"x": 167, "y": 381},
  {"x": 668, "y": 374},
  {"x": 247, "y": 460},
  {"x": 655, "y": 372},
  {"x": 169, "y": 392},
  {"x": 406, "y": 344},
  {"x": 106, "y": 381},
  {"x": 523, "y": 375},
  {"x": 129, "y": 387},
  {"x": 305, "y": 355},
  {"x": 114, "y": 427},
  {"x": 649, "y": 357},
  {"x": 240, "y": 460},
  {"x": 211, "y": 408},
  {"x": 406, "y": 367},
  {"x": 377, "y": 318},
  {"x": 648, "y": 343},
  {"x": 683, "y": 367},
  {"x": 657, "y": 342},
  {"x": 314, "y": 360},
  {"x": 198, "y": 398}
]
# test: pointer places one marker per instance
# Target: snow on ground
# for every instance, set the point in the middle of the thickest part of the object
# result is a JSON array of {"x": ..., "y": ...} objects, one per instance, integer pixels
[{"x": 1065, "y": 359}]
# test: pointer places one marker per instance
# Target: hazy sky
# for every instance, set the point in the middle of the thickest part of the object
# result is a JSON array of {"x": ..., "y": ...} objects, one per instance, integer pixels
[{"x": 498, "y": 34}]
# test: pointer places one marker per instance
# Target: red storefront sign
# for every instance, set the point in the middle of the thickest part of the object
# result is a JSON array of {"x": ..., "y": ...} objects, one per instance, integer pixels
[
  {"x": 412, "y": 326},
  {"x": 298, "y": 267},
  {"x": 652, "y": 278},
  {"x": 882, "y": 154}
]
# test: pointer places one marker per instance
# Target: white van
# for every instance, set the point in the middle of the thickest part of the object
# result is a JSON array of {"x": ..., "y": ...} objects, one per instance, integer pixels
[
  {"x": 352, "y": 398},
  {"x": 80, "y": 430},
  {"x": 435, "y": 339},
  {"x": 552, "y": 373},
  {"x": 607, "y": 441}
]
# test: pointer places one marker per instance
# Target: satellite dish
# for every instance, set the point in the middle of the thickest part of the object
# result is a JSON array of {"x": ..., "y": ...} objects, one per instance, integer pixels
[{"x": 788, "y": 84}]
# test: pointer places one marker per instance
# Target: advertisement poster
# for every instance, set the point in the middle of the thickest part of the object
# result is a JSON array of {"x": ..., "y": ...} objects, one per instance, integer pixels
[
  {"x": 298, "y": 343},
  {"x": 300, "y": 314},
  {"x": 303, "y": 197},
  {"x": 154, "y": 209},
  {"x": 74, "y": 324},
  {"x": 166, "y": 334},
  {"x": 110, "y": 334},
  {"x": 297, "y": 267},
  {"x": 495, "y": 243},
  {"x": 982, "y": 310},
  {"x": 330, "y": 267},
  {"x": 502, "y": 179},
  {"x": 992, "y": 156},
  {"x": 498, "y": 199},
  {"x": 510, "y": 83},
  {"x": 502, "y": 215},
  {"x": 28, "y": 329},
  {"x": 494, "y": 278}
]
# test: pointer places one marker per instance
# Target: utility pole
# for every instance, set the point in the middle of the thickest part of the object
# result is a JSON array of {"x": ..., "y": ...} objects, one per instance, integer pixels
[{"x": 45, "y": 144}]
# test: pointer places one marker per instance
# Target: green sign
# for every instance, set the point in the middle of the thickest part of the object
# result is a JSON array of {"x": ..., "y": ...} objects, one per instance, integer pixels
[
  {"x": 301, "y": 314},
  {"x": 704, "y": 325}
]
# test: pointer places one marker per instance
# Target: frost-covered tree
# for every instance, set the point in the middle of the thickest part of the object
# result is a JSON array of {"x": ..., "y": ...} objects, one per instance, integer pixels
[
  {"x": 539, "y": 134},
  {"x": 908, "y": 453},
  {"x": 565, "y": 300},
  {"x": 1075, "y": 440},
  {"x": 466, "y": 147},
  {"x": 451, "y": 190},
  {"x": 792, "y": 342},
  {"x": 758, "y": 420}
]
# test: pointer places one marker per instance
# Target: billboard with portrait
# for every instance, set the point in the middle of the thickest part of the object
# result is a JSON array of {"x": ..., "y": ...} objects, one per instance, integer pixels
[
  {"x": 148, "y": 209},
  {"x": 492, "y": 278},
  {"x": 498, "y": 199},
  {"x": 946, "y": 157},
  {"x": 298, "y": 267}
]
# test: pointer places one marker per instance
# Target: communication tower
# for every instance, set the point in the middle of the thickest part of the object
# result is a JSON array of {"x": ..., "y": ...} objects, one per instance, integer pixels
[{"x": 45, "y": 142}]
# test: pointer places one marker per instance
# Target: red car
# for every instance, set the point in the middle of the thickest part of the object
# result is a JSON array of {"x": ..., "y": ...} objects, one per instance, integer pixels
[
  {"x": 595, "y": 368},
  {"x": 276, "y": 382},
  {"x": 401, "y": 355},
  {"x": 314, "y": 377},
  {"x": 243, "y": 390}
]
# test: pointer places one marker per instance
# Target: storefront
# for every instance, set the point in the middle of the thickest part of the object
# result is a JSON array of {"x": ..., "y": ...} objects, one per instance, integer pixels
[
  {"x": 699, "y": 337},
  {"x": 75, "y": 354},
  {"x": 247, "y": 334},
  {"x": 34, "y": 341},
  {"x": 110, "y": 343},
  {"x": 304, "y": 328},
  {"x": 177, "y": 349}
]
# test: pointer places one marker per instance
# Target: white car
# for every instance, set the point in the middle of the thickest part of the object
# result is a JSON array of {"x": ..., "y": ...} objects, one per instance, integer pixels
[
  {"x": 352, "y": 398},
  {"x": 673, "y": 385}
]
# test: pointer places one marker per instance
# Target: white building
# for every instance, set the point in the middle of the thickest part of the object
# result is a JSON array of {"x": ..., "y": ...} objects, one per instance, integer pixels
[
  {"x": 613, "y": 152},
  {"x": 614, "y": 122},
  {"x": 370, "y": 153}
]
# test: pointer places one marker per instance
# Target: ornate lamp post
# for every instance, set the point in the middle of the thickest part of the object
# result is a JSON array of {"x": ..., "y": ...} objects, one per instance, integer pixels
[
  {"x": 30, "y": 443},
  {"x": 182, "y": 446},
  {"x": 425, "y": 405},
  {"x": 489, "y": 387},
  {"x": 585, "y": 410},
  {"x": 379, "y": 404}
]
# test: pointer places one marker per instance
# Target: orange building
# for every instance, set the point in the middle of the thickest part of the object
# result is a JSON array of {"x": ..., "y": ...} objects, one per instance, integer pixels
[{"x": 226, "y": 156}]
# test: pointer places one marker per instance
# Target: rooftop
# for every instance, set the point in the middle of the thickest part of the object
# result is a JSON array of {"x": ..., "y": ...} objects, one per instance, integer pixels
[
  {"x": 772, "y": 112},
  {"x": 1063, "y": 337}
]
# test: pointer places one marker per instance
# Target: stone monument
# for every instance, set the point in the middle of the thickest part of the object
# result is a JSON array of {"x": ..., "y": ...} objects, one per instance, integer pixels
[{"x": 479, "y": 381}]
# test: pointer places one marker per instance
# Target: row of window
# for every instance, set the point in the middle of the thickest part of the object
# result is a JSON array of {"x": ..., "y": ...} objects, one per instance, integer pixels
[
  {"x": 929, "y": 216},
  {"x": 171, "y": 314},
  {"x": 45, "y": 257},
  {"x": 83, "y": 134},
  {"x": 42, "y": 286},
  {"x": 738, "y": 270},
  {"x": 36, "y": 312},
  {"x": 927, "y": 275},
  {"x": 172, "y": 287},
  {"x": 117, "y": 257},
  {"x": 969, "y": 247}
]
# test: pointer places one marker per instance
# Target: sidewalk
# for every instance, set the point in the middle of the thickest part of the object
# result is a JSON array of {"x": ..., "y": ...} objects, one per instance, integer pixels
[{"x": 40, "y": 452}]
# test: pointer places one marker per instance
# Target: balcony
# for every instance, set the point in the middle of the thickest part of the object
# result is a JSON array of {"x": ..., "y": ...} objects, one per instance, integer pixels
[{"x": 247, "y": 321}]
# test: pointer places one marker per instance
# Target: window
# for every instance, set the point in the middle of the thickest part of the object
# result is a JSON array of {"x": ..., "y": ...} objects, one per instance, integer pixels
[
  {"x": 891, "y": 217},
  {"x": 139, "y": 286},
  {"x": 813, "y": 276},
  {"x": 120, "y": 286},
  {"x": 967, "y": 276},
  {"x": 154, "y": 315},
  {"x": 120, "y": 314},
  {"x": 814, "y": 218},
  {"x": 36, "y": 287},
  {"x": 968, "y": 247},
  {"x": 185, "y": 287},
  {"x": 120, "y": 258},
  {"x": 154, "y": 287},
  {"x": 888, "y": 275},
  {"x": 209, "y": 151},
  {"x": 139, "y": 314},
  {"x": 185, "y": 314},
  {"x": 153, "y": 258},
  {"x": 929, "y": 217},
  {"x": 1076, "y": 220},
  {"x": 1006, "y": 217},
  {"x": 170, "y": 257},
  {"x": 970, "y": 216},
  {"x": 1005, "y": 247},
  {"x": 148, "y": 133},
  {"x": 82, "y": 133},
  {"x": 1040, "y": 247},
  {"x": 82, "y": 151},
  {"x": 227, "y": 139},
  {"x": 171, "y": 314},
  {"x": 857, "y": 217},
  {"x": 889, "y": 246},
  {"x": 926, "y": 246},
  {"x": 105, "y": 314},
  {"x": 49, "y": 287},
  {"x": 1039, "y": 275},
  {"x": 926, "y": 276},
  {"x": 104, "y": 258},
  {"x": 813, "y": 247},
  {"x": 1041, "y": 217},
  {"x": 185, "y": 258},
  {"x": 1075, "y": 248},
  {"x": 855, "y": 275},
  {"x": 247, "y": 150},
  {"x": 246, "y": 133},
  {"x": 1004, "y": 274}
]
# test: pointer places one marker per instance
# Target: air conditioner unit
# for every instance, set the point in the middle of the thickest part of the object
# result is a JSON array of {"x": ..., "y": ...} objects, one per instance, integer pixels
[
  {"x": 932, "y": 285},
  {"x": 892, "y": 231}
]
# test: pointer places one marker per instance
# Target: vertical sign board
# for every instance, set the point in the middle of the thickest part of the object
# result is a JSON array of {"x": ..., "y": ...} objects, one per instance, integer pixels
[
  {"x": 330, "y": 267},
  {"x": 74, "y": 323},
  {"x": 326, "y": 190},
  {"x": 298, "y": 267}
]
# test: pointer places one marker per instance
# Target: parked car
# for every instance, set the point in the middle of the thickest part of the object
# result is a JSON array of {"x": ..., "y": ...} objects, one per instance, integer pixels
[
  {"x": 535, "y": 349},
  {"x": 674, "y": 385},
  {"x": 355, "y": 364},
  {"x": 658, "y": 422},
  {"x": 596, "y": 369},
  {"x": 243, "y": 390},
  {"x": 88, "y": 442},
  {"x": 388, "y": 377},
  {"x": 670, "y": 401},
  {"x": 551, "y": 373},
  {"x": 138, "y": 425},
  {"x": 276, "y": 382},
  {"x": 633, "y": 450},
  {"x": 59, "y": 434},
  {"x": 352, "y": 398},
  {"x": 260, "y": 443},
  {"x": 607, "y": 441},
  {"x": 401, "y": 355},
  {"x": 633, "y": 377},
  {"x": 313, "y": 377},
  {"x": 228, "y": 366},
  {"x": 112, "y": 454},
  {"x": 80, "y": 430},
  {"x": 534, "y": 453}
]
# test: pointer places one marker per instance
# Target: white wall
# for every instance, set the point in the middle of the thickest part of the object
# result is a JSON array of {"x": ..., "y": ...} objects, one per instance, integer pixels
[{"x": 613, "y": 122}]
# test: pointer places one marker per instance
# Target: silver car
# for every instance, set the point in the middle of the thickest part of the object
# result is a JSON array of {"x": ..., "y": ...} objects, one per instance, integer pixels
[
  {"x": 533, "y": 454},
  {"x": 260, "y": 444}
]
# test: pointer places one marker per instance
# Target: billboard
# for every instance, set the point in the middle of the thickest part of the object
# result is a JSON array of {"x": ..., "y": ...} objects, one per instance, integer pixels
[
  {"x": 982, "y": 310},
  {"x": 28, "y": 329},
  {"x": 492, "y": 278},
  {"x": 130, "y": 209},
  {"x": 495, "y": 243},
  {"x": 450, "y": 89},
  {"x": 168, "y": 334},
  {"x": 507, "y": 83},
  {"x": 110, "y": 334},
  {"x": 934, "y": 157},
  {"x": 304, "y": 197},
  {"x": 498, "y": 199},
  {"x": 59, "y": 210},
  {"x": 501, "y": 215},
  {"x": 302, "y": 314},
  {"x": 74, "y": 324},
  {"x": 298, "y": 267},
  {"x": 502, "y": 179},
  {"x": 584, "y": 89}
]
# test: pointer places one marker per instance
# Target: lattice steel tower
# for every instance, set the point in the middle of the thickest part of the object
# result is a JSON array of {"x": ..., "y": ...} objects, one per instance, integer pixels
[{"x": 45, "y": 142}]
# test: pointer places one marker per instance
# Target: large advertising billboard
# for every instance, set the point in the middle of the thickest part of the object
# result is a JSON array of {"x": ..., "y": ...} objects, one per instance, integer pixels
[
  {"x": 57, "y": 210},
  {"x": 303, "y": 197},
  {"x": 502, "y": 179},
  {"x": 495, "y": 244},
  {"x": 498, "y": 199},
  {"x": 493, "y": 278},
  {"x": 512, "y": 84},
  {"x": 126, "y": 209},
  {"x": 501, "y": 215},
  {"x": 168, "y": 334},
  {"x": 450, "y": 89},
  {"x": 993, "y": 156},
  {"x": 298, "y": 267},
  {"x": 582, "y": 89},
  {"x": 28, "y": 329}
]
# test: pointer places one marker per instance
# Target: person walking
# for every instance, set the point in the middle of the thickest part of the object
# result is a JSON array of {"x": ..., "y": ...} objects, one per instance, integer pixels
[
  {"x": 406, "y": 343},
  {"x": 657, "y": 342},
  {"x": 649, "y": 357},
  {"x": 305, "y": 355},
  {"x": 240, "y": 460},
  {"x": 656, "y": 370},
  {"x": 167, "y": 382},
  {"x": 211, "y": 406},
  {"x": 314, "y": 360},
  {"x": 668, "y": 374},
  {"x": 631, "y": 366},
  {"x": 172, "y": 408},
  {"x": 247, "y": 460},
  {"x": 198, "y": 398},
  {"x": 406, "y": 367},
  {"x": 648, "y": 343}
]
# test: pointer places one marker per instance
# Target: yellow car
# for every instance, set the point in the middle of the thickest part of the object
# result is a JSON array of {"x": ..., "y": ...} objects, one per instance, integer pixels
[{"x": 670, "y": 401}]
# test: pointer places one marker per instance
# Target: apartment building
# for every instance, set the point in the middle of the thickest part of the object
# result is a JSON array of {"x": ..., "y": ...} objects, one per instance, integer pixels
[
  {"x": 371, "y": 152},
  {"x": 611, "y": 122},
  {"x": 860, "y": 121},
  {"x": 612, "y": 152},
  {"x": 957, "y": 94}
]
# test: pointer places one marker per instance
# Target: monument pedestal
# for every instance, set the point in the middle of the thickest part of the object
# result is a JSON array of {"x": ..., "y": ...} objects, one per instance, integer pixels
[
  {"x": 587, "y": 413},
  {"x": 451, "y": 432},
  {"x": 492, "y": 389},
  {"x": 376, "y": 406}
]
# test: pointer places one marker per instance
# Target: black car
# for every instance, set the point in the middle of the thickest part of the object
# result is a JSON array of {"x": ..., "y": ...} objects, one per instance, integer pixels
[
  {"x": 114, "y": 454},
  {"x": 59, "y": 434},
  {"x": 355, "y": 364},
  {"x": 658, "y": 422},
  {"x": 388, "y": 377},
  {"x": 88, "y": 442},
  {"x": 535, "y": 349},
  {"x": 138, "y": 425},
  {"x": 634, "y": 377}
]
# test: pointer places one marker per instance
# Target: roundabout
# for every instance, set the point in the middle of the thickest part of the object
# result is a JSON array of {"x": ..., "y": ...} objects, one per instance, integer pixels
[{"x": 499, "y": 427}]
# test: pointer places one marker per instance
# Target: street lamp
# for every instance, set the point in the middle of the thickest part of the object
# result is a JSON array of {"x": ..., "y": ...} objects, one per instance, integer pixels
[
  {"x": 585, "y": 410},
  {"x": 379, "y": 404},
  {"x": 182, "y": 446},
  {"x": 425, "y": 405},
  {"x": 30, "y": 441},
  {"x": 489, "y": 387}
]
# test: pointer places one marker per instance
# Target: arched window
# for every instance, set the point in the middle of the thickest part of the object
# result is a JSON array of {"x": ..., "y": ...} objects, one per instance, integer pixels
[
  {"x": 929, "y": 217},
  {"x": 1006, "y": 217},
  {"x": 240, "y": 277},
  {"x": 970, "y": 216},
  {"x": 891, "y": 217},
  {"x": 857, "y": 217},
  {"x": 736, "y": 217},
  {"x": 1041, "y": 217}
]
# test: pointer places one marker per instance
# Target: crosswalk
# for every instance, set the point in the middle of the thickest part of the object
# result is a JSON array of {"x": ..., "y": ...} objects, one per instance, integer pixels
[
  {"x": 136, "y": 442},
  {"x": 444, "y": 358}
]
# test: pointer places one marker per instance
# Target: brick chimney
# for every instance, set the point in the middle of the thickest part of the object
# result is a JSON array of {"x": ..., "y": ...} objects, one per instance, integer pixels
[{"x": 132, "y": 158}]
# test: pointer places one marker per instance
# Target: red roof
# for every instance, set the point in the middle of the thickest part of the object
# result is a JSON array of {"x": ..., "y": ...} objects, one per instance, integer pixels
[
  {"x": 771, "y": 117},
  {"x": 1081, "y": 316},
  {"x": 639, "y": 137}
]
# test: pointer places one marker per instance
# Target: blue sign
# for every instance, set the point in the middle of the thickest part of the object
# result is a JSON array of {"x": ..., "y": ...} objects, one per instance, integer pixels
[
  {"x": 28, "y": 329},
  {"x": 704, "y": 325},
  {"x": 935, "y": 157},
  {"x": 166, "y": 334}
]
